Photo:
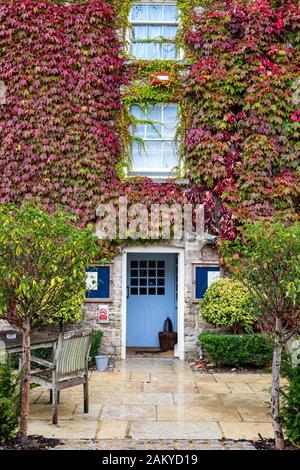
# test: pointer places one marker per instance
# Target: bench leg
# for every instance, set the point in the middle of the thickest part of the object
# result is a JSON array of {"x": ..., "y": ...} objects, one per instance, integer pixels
[
  {"x": 58, "y": 396},
  {"x": 86, "y": 396},
  {"x": 54, "y": 406}
]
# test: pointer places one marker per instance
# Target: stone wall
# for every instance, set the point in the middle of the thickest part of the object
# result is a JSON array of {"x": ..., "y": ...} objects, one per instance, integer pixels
[
  {"x": 112, "y": 338},
  {"x": 193, "y": 325}
]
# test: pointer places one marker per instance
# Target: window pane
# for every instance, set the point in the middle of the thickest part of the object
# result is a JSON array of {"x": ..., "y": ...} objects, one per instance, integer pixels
[
  {"x": 139, "y": 50},
  {"x": 154, "y": 131},
  {"x": 170, "y": 130},
  {"x": 138, "y": 160},
  {"x": 134, "y": 264},
  {"x": 169, "y": 155},
  {"x": 154, "y": 113},
  {"x": 139, "y": 12},
  {"x": 137, "y": 112},
  {"x": 169, "y": 32},
  {"x": 170, "y": 121},
  {"x": 169, "y": 51},
  {"x": 139, "y": 32},
  {"x": 154, "y": 32},
  {"x": 170, "y": 112},
  {"x": 170, "y": 13},
  {"x": 154, "y": 154},
  {"x": 155, "y": 13},
  {"x": 153, "y": 50},
  {"x": 139, "y": 130}
]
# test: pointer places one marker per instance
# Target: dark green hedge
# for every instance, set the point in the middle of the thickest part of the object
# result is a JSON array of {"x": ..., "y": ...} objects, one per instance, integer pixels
[
  {"x": 9, "y": 402},
  {"x": 238, "y": 350},
  {"x": 290, "y": 411}
]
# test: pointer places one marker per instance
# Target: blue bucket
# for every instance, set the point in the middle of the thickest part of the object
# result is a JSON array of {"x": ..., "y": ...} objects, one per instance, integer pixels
[{"x": 101, "y": 363}]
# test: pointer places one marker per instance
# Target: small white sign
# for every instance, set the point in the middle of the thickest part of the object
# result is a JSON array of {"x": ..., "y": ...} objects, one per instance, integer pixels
[
  {"x": 91, "y": 281},
  {"x": 164, "y": 78},
  {"x": 212, "y": 276},
  {"x": 103, "y": 314}
]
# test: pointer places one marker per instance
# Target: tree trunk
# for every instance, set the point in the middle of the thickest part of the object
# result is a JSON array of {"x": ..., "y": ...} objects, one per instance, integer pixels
[
  {"x": 279, "y": 440},
  {"x": 222, "y": 267},
  {"x": 23, "y": 431}
]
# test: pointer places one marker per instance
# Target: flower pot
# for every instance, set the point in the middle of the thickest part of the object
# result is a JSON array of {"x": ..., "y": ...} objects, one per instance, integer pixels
[
  {"x": 172, "y": 337},
  {"x": 167, "y": 340},
  {"x": 101, "y": 363}
]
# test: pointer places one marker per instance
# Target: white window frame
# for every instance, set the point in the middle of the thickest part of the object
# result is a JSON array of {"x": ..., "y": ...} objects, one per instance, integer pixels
[
  {"x": 159, "y": 172},
  {"x": 162, "y": 23}
]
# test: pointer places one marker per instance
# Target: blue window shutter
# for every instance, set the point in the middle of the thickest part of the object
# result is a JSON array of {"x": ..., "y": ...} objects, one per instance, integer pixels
[
  {"x": 103, "y": 287},
  {"x": 201, "y": 280}
]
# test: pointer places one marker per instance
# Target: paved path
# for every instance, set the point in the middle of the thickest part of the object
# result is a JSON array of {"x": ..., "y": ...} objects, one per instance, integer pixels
[{"x": 159, "y": 399}]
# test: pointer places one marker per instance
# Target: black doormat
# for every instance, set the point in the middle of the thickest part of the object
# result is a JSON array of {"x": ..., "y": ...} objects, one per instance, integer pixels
[{"x": 155, "y": 351}]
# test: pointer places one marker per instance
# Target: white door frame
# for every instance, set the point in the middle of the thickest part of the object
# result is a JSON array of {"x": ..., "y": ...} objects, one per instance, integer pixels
[{"x": 180, "y": 306}]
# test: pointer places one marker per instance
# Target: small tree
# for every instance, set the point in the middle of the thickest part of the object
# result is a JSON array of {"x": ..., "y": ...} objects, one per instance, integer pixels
[
  {"x": 266, "y": 260},
  {"x": 42, "y": 275}
]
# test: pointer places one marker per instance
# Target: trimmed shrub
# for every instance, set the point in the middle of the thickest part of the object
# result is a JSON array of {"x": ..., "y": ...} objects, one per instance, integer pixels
[
  {"x": 95, "y": 346},
  {"x": 227, "y": 303},
  {"x": 238, "y": 350},
  {"x": 290, "y": 411},
  {"x": 9, "y": 402}
]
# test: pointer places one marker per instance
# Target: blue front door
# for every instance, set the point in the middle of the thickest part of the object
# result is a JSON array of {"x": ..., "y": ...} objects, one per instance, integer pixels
[{"x": 151, "y": 297}]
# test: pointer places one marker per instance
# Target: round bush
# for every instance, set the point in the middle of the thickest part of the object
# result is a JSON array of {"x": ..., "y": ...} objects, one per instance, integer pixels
[{"x": 227, "y": 303}]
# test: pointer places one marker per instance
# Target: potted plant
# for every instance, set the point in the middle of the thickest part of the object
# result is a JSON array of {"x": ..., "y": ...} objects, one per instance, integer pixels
[{"x": 96, "y": 357}]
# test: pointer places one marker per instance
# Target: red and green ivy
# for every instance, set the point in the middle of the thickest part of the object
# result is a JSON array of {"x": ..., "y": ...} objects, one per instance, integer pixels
[
  {"x": 62, "y": 128},
  {"x": 242, "y": 142},
  {"x": 63, "y": 69}
]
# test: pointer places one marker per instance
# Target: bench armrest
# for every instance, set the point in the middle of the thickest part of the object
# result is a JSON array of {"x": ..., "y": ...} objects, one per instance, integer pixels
[{"x": 42, "y": 362}]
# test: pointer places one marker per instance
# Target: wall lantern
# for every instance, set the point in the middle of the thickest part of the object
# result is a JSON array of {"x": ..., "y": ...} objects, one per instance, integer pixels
[{"x": 160, "y": 78}]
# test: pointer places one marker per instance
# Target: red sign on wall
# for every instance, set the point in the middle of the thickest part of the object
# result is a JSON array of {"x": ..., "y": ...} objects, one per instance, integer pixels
[
  {"x": 159, "y": 78},
  {"x": 103, "y": 314}
]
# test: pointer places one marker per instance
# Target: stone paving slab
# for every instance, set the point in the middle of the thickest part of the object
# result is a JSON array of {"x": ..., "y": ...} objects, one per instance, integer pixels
[
  {"x": 174, "y": 430},
  {"x": 197, "y": 399},
  {"x": 154, "y": 444},
  {"x": 242, "y": 430},
  {"x": 109, "y": 430},
  {"x": 75, "y": 429},
  {"x": 128, "y": 412},
  {"x": 213, "y": 388},
  {"x": 197, "y": 413}
]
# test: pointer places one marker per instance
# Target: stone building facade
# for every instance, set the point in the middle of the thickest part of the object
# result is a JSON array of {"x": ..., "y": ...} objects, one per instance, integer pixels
[{"x": 196, "y": 254}]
